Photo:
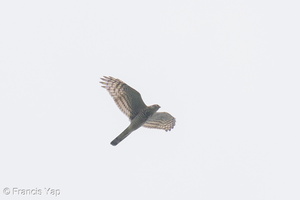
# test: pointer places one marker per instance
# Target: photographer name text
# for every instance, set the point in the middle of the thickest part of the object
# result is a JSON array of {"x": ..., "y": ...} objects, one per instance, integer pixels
[{"x": 31, "y": 192}]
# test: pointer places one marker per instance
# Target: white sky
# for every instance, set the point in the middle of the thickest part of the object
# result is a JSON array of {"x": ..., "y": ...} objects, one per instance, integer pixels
[{"x": 227, "y": 70}]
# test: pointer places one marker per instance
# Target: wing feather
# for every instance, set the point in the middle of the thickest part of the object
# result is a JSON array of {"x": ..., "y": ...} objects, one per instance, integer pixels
[
  {"x": 127, "y": 99},
  {"x": 160, "y": 120}
]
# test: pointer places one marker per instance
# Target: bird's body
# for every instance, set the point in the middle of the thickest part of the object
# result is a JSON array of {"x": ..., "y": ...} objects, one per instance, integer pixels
[
  {"x": 136, "y": 123},
  {"x": 130, "y": 102}
]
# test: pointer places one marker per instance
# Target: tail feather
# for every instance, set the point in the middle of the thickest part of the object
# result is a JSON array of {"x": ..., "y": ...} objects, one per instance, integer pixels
[{"x": 121, "y": 137}]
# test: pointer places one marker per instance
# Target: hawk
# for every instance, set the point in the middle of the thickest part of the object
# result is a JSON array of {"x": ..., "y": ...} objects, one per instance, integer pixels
[{"x": 131, "y": 103}]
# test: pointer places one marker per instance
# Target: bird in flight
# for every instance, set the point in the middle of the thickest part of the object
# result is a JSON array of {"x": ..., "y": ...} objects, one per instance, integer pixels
[{"x": 131, "y": 103}]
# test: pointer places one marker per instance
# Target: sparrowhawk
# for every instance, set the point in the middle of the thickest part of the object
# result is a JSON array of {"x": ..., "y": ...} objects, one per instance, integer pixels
[{"x": 130, "y": 102}]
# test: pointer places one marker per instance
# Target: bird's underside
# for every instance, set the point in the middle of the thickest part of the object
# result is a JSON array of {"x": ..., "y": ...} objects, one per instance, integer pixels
[{"x": 131, "y": 104}]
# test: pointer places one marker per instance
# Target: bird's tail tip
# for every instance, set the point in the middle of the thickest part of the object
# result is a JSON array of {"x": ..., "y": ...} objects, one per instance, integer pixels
[{"x": 114, "y": 142}]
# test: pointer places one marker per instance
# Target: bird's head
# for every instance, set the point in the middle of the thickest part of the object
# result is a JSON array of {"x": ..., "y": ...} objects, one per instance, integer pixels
[{"x": 155, "y": 107}]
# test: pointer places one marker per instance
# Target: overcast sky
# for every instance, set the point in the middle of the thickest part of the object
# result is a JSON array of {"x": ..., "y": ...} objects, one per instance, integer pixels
[{"x": 227, "y": 70}]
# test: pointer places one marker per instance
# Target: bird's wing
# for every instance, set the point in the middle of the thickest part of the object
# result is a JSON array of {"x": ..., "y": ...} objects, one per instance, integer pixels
[
  {"x": 128, "y": 99},
  {"x": 160, "y": 120}
]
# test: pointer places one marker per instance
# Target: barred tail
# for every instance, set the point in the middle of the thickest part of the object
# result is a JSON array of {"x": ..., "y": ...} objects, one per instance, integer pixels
[{"x": 121, "y": 137}]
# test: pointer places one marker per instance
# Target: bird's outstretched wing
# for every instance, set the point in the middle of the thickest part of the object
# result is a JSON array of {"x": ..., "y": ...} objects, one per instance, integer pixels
[
  {"x": 160, "y": 120},
  {"x": 128, "y": 99}
]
